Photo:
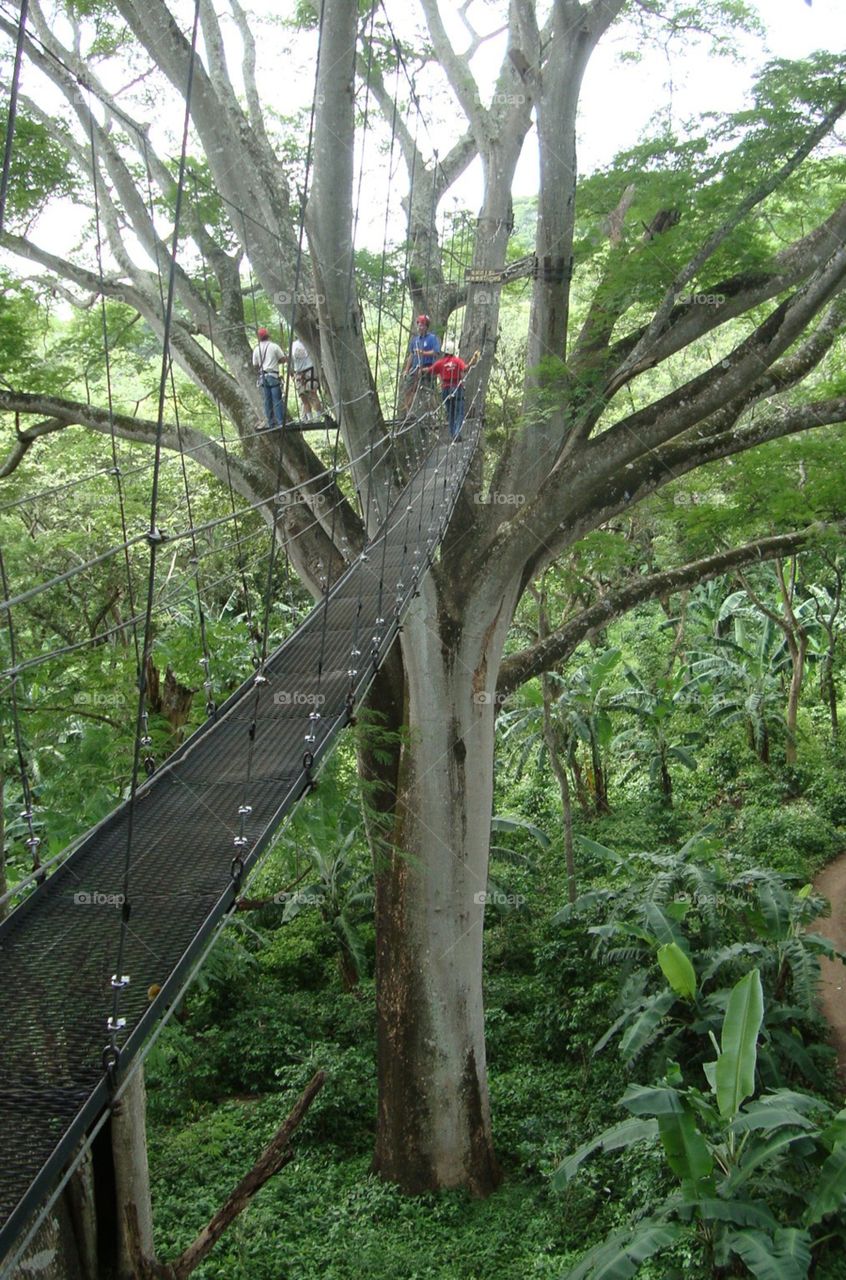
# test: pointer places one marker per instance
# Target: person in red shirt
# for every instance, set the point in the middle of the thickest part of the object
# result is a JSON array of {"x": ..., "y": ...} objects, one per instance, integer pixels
[{"x": 451, "y": 370}]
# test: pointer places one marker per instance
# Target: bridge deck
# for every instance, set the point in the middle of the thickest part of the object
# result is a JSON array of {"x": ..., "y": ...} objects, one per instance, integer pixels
[{"x": 59, "y": 950}]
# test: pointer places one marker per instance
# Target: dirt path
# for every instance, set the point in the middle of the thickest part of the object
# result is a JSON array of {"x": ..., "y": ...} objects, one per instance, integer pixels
[{"x": 832, "y": 884}]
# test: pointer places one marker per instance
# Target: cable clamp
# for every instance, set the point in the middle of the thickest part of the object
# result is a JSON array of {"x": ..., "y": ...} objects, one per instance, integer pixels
[
  {"x": 118, "y": 983},
  {"x": 115, "y": 1024},
  {"x": 258, "y": 678},
  {"x": 110, "y": 1060},
  {"x": 155, "y": 536},
  {"x": 240, "y": 842},
  {"x": 244, "y": 810}
]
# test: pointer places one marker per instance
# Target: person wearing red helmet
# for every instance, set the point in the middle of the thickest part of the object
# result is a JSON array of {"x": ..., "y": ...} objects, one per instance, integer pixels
[
  {"x": 451, "y": 370},
  {"x": 422, "y": 350},
  {"x": 267, "y": 358}
]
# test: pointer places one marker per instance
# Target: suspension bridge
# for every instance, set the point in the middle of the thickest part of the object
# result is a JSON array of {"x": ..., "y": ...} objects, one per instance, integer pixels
[
  {"x": 199, "y": 824},
  {"x": 99, "y": 949}
]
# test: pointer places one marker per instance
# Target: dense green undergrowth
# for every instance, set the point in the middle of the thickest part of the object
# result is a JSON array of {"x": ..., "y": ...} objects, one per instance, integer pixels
[{"x": 272, "y": 1009}]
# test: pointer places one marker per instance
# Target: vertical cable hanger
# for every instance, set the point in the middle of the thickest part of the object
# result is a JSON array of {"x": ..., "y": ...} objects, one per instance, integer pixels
[
  {"x": 239, "y": 552},
  {"x": 33, "y": 840},
  {"x": 116, "y": 468},
  {"x": 13, "y": 111},
  {"x": 314, "y": 716},
  {"x": 115, "y": 1023},
  {"x": 260, "y": 679},
  {"x": 194, "y": 559}
]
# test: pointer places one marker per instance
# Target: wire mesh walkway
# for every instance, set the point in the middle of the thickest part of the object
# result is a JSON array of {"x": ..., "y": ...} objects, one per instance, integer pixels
[{"x": 199, "y": 822}]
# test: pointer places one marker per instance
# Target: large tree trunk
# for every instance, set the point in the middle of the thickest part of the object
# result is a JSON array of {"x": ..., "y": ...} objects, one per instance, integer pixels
[
  {"x": 828, "y": 686},
  {"x": 53, "y": 1254},
  {"x": 60, "y": 1249},
  {"x": 798, "y": 646},
  {"x": 434, "y": 1112},
  {"x": 132, "y": 1174}
]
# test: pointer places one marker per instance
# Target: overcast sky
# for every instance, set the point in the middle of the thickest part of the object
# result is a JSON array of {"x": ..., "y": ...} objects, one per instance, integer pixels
[{"x": 619, "y": 97}]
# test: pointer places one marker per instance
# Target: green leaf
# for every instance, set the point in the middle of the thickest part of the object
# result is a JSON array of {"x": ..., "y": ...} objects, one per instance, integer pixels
[
  {"x": 735, "y": 1074},
  {"x": 660, "y": 925},
  {"x": 743, "y": 1213},
  {"x": 678, "y": 970},
  {"x": 688, "y": 1154},
  {"x": 621, "y": 1135},
  {"x": 501, "y": 822},
  {"x": 784, "y": 1257},
  {"x": 768, "y": 1118},
  {"x": 643, "y": 1029},
  {"x": 828, "y": 1194},
  {"x": 619, "y": 1257},
  {"x": 835, "y": 1132},
  {"x": 790, "y": 1046},
  {"x": 590, "y": 846},
  {"x": 643, "y": 1100},
  {"x": 759, "y": 1153},
  {"x": 793, "y": 1246}
]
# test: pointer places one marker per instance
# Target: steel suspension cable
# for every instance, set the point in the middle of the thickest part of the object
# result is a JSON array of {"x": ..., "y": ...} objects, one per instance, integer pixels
[
  {"x": 205, "y": 661},
  {"x": 31, "y": 592},
  {"x": 33, "y": 840},
  {"x": 260, "y": 678},
  {"x": 119, "y": 979},
  {"x": 235, "y": 519},
  {"x": 116, "y": 470},
  {"x": 310, "y": 737},
  {"x": 13, "y": 111}
]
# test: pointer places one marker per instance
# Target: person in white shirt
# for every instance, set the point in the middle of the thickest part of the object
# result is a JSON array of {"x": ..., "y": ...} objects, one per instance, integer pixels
[
  {"x": 267, "y": 358},
  {"x": 306, "y": 382}
]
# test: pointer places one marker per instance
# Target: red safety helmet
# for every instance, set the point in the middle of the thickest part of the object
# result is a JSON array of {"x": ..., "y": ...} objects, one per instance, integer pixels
[
  {"x": 262, "y": 333},
  {"x": 423, "y": 320}
]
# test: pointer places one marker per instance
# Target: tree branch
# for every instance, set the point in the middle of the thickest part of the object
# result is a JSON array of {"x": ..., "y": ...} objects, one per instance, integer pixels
[
  {"x": 247, "y": 479},
  {"x": 726, "y": 381},
  {"x": 787, "y": 420},
  {"x": 459, "y": 75},
  {"x": 657, "y": 325},
  {"x": 562, "y": 642},
  {"x": 741, "y": 293},
  {"x": 274, "y": 1157},
  {"x": 248, "y": 71}
]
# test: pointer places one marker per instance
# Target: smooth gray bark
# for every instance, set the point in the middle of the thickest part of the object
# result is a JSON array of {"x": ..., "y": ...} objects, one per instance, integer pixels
[{"x": 132, "y": 1173}]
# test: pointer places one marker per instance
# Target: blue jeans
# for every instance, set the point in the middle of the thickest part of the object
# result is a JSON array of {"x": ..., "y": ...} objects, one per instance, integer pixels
[
  {"x": 453, "y": 398},
  {"x": 274, "y": 409}
]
